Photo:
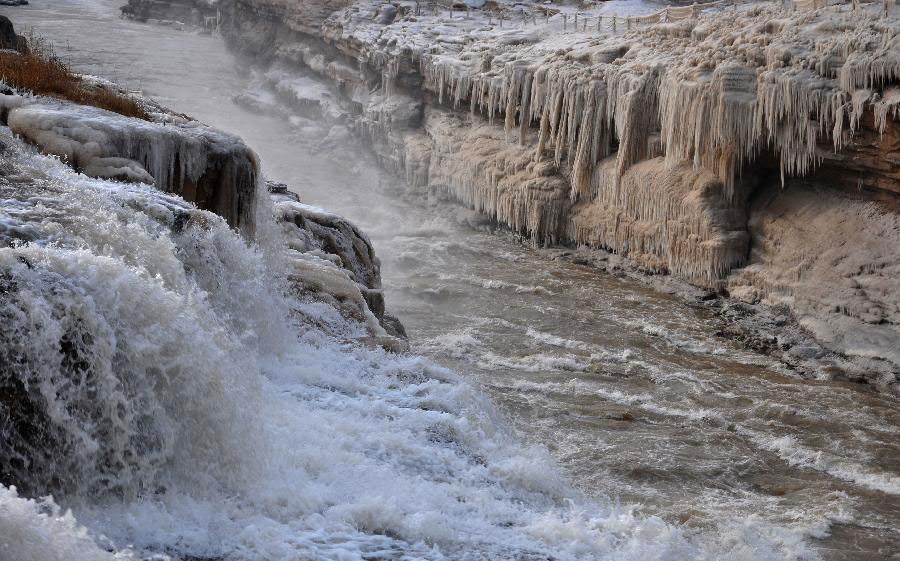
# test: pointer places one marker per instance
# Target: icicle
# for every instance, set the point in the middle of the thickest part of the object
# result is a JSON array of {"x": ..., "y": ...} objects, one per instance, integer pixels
[{"x": 582, "y": 165}]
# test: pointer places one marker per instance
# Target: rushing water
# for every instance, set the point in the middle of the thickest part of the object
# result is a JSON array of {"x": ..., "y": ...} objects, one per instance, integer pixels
[{"x": 628, "y": 389}]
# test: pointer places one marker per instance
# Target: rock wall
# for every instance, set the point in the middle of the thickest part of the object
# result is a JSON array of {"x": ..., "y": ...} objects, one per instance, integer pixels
[
  {"x": 658, "y": 142},
  {"x": 331, "y": 260},
  {"x": 201, "y": 14}
]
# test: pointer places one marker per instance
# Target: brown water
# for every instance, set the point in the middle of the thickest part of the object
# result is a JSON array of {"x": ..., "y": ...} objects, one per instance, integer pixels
[{"x": 629, "y": 389}]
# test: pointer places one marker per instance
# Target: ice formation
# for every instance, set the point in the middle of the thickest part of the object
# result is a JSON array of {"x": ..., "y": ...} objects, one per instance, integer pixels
[
  {"x": 176, "y": 154},
  {"x": 647, "y": 131},
  {"x": 735, "y": 90},
  {"x": 331, "y": 260}
]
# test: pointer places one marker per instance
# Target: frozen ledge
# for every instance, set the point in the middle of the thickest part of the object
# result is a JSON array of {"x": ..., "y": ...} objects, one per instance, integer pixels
[{"x": 210, "y": 168}]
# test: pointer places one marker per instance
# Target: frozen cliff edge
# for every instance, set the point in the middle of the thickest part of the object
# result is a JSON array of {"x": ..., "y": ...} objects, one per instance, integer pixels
[
  {"x": 677, "y": 140},
  {"x": 333, "y": 261},
  {"x": 212, "y": 169}
]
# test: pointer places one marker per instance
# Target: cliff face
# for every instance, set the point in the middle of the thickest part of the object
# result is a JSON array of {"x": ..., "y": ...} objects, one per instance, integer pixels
[{"x": 676, "y": 140}]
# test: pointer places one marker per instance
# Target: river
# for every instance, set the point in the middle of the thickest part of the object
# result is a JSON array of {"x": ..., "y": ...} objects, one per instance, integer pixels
[{"x": 628, "y": 389}]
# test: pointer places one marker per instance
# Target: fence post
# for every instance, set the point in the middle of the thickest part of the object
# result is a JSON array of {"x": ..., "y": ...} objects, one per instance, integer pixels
[
  {"x": 614, "y": 23},
  {"x": 565, "y": 26},
  {"x": 628, "y": 22},
  {"x": 599, "y": 23}
]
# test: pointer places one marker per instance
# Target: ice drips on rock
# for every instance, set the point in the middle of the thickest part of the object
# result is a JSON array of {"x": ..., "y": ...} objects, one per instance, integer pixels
[
  {"x": 653, "y": 141},
  {"x": 176, "y": 154}
]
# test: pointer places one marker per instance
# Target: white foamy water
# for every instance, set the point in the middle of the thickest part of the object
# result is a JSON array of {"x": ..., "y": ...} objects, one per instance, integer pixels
[{"x": 542, "y": 382}]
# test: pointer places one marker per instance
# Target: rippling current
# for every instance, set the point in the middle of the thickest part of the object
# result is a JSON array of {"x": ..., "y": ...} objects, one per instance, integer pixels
[{"x": 646, "y": 414}]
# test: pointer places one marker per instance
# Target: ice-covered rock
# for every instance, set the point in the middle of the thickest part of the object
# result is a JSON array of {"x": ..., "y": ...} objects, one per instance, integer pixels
[
  {"x": 213, "y": 169},
  {"x": 333, "y": 260}
]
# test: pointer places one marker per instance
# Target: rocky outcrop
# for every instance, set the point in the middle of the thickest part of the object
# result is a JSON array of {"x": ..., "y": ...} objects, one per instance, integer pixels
[
  {"x": 201, "y": 13},
  {"x": 212, "y": 169},
  {"x": 333, "y": 261},
  {"x": 8, "y": 38}
]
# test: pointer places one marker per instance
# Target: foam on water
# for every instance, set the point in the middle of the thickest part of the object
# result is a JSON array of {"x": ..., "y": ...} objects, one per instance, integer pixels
[{"x": 792, "y": 451}]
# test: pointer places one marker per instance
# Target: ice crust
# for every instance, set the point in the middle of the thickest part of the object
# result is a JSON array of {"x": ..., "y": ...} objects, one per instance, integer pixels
[{"x": 176, "y": 154}]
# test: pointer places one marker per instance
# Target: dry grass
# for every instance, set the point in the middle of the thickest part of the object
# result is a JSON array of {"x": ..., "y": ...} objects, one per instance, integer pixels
[{"x": 42, "y": 72}]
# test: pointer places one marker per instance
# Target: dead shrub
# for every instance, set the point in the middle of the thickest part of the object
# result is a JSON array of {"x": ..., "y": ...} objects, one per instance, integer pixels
[{"x": 40, "y": 71}]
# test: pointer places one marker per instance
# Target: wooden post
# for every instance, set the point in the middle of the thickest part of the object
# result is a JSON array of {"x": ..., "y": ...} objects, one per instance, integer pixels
[
  {"x": 565, "y": 26},
  {"x": 599, "y": 23},
  {"x": 628, "y": 22},
  {"x": 614, "y": 23}
]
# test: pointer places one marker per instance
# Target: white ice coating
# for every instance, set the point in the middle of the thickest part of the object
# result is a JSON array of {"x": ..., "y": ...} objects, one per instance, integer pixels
[
  {"x": 330, "y": 260},
  {"x": 172, "y": 152},
  {"x": 196, "y": 419},
  {"x": 717, "y": 90}
]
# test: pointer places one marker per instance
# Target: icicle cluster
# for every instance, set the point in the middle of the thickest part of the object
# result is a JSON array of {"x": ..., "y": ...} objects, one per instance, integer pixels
[{"x": 714, "y": 92}]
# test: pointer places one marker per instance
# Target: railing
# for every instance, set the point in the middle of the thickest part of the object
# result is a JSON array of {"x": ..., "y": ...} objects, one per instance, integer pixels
[{"x": 574, "y": 22}]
